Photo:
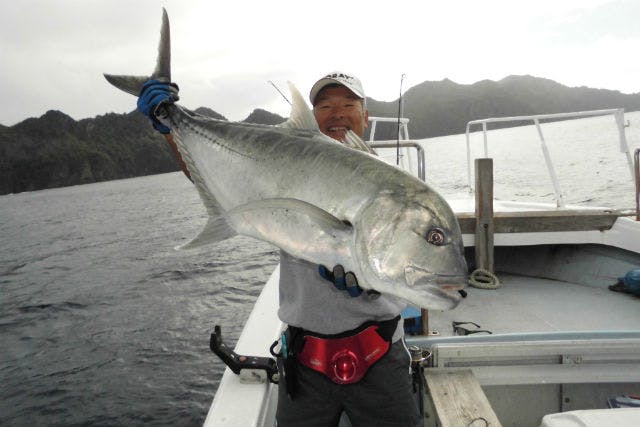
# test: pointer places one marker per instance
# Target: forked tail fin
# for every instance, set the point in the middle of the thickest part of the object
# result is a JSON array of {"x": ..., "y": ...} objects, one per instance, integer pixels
[{"x": 133, "y": 84}]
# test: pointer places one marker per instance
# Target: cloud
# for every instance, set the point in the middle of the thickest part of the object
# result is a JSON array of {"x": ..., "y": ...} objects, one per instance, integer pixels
[{"x": 224, "y": 53}]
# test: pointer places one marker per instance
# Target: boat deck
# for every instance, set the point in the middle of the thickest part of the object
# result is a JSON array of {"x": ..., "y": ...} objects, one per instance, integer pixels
[{"x": 528, "y": 304}]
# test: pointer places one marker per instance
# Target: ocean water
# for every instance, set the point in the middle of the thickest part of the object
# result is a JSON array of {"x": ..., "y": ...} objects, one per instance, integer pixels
[{"x": 103, "y": 323}]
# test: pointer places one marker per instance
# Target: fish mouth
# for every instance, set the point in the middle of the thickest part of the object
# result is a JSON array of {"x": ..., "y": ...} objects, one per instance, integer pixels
[
  {"x": 417, "y": 277},
  {"x": 433, "y": 290}
]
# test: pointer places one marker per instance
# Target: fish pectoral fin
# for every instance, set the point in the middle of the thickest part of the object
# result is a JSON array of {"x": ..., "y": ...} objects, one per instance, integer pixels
[
  {"x": 301, "y": 116},
  {"x": 293, "y": 225}
]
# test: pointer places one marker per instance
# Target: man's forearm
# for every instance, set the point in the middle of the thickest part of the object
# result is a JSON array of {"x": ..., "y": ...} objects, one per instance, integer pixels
[{"x": 174, "y": 148}]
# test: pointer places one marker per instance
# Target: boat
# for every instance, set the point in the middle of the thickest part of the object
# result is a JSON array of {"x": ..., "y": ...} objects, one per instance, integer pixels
[{"x": 552, "y": 343}]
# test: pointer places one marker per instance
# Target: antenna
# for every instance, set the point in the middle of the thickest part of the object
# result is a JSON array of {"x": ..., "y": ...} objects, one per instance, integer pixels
[
  {"x": 400, "y": 112},
  {"x": 280, "y": 92}
]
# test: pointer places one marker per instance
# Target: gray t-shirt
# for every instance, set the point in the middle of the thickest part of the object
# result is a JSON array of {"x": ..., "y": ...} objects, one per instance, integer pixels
[{"x": 310, "y": 302}]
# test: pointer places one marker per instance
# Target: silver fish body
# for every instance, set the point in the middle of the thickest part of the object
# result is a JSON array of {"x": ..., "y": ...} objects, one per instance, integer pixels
[{"x": 318, "y": 200}]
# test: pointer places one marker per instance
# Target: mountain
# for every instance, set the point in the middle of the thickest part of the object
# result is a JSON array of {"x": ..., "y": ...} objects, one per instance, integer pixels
[
  {"x": 264, "y": 117},
  {"x": 55, "y": 150},
  {"x": 208, "y": 112},
  {"x": 445, "y": 107}
]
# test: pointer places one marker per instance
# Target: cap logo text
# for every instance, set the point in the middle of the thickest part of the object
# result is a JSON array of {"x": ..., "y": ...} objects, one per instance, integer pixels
[{"x": 338, "y": 76}]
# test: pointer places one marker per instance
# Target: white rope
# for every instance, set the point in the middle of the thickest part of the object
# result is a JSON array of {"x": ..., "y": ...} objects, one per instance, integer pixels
[{"x": 483, "y": 279}]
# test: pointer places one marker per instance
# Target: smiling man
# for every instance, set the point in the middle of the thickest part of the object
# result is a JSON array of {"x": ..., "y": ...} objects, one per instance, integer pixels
[
  {"x": 339, "y": 105},
  {"x": 346, "y": 352}
]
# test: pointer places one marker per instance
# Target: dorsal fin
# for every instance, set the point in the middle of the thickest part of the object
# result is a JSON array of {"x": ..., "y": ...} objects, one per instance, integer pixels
[{"x": 301, "y": 116}]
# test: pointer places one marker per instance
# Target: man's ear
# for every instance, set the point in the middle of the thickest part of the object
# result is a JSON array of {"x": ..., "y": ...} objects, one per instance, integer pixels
[{"x": 366, "y": 119}]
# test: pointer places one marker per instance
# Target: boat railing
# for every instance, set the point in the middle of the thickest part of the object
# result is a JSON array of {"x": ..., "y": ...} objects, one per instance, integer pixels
[
  {"x": 405, "y": 144},
  {"x": 403, "y": 129},
  {"x": 636, "y": 158},
  {"x": 403, "y": 141},
  {"x": 618, "y": 113}
]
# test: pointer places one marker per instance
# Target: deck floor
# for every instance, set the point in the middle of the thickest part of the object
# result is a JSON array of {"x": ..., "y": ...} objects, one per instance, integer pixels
[{"x": 526, "y": 304}]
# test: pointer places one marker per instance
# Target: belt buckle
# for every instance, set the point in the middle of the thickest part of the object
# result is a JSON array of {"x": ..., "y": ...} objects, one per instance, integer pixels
[{"x": 345, "y": 367}]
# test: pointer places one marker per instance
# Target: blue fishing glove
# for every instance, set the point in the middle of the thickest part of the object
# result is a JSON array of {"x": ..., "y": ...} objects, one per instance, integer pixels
[
  {"x": 341, "y": 280},
  {"x": 153, "y": 94}
]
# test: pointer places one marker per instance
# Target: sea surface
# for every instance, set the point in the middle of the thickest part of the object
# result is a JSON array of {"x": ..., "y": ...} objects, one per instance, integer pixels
[{"x": 103, "y": 322}]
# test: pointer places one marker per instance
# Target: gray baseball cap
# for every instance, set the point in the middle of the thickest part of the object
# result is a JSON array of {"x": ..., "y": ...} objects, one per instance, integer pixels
[{"x": 350, "y": 82}]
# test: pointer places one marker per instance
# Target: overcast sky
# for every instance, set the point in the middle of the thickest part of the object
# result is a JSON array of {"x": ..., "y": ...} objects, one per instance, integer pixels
[{"x": 224, "y": 52}]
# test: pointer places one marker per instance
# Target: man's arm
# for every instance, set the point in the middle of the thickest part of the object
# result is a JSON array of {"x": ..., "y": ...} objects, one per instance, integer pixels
[
  {"x": 174, "y": 148},
  {"x": 152, "y": 95}
]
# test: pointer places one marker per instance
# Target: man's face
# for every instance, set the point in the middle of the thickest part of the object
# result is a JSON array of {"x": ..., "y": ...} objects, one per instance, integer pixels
[{"x": 338, "y": 110}]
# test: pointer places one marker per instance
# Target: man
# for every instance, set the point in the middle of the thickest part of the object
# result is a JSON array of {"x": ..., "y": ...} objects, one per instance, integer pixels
[
  {"x": 344, "y": 348},
  {"x": 338, "y": 105}
]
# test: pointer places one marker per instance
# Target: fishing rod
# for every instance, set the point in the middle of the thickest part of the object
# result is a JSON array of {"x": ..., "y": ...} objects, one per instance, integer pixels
[
  {"x": 399, "y": 116},
  {"x": 279, "y": 91}
]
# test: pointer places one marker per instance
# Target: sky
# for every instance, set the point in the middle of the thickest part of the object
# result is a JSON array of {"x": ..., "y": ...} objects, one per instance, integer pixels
[{"x": 225, "y": 52}]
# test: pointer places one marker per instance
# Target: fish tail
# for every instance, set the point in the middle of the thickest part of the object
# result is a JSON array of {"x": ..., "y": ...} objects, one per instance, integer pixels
[{"x": 133, "y": 84}]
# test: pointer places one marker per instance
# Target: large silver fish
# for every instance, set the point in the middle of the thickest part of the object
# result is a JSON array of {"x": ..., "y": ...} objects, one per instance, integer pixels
[{"x": 304, "y": 192}]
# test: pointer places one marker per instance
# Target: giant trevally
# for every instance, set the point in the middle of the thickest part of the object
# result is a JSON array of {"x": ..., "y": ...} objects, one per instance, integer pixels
[{"x": 318, "y": 200}]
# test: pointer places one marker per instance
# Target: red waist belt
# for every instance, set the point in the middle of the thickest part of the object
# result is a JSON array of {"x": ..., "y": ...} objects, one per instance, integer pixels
[{"x": 344, "y": 360}]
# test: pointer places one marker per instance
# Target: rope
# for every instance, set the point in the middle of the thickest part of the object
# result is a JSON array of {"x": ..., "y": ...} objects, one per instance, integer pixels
[
  {"x": 486, "y": 423},
  {"x": 483, "y": 279}
]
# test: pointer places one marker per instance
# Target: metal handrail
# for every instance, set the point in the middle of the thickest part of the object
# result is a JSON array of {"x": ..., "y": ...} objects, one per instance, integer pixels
[
  {"x": 405, "y": 144},
  {"x": 636, "y": 161},
  {"x": 403, "y": 131},
  {"x": 618, "y": 113}
]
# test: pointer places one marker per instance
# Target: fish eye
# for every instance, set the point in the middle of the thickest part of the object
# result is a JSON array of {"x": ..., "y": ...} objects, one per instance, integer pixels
[{"x": 435, "y": 236}]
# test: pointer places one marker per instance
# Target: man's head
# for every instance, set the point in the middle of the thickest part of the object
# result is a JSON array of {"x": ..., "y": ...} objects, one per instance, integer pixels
[{"x": 339, "y": 105}]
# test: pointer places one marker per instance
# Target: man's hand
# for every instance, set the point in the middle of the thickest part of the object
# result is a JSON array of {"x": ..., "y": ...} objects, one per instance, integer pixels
[
  {"x": 153, "y": 94},
  {"x": 341, "y": 280}
]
